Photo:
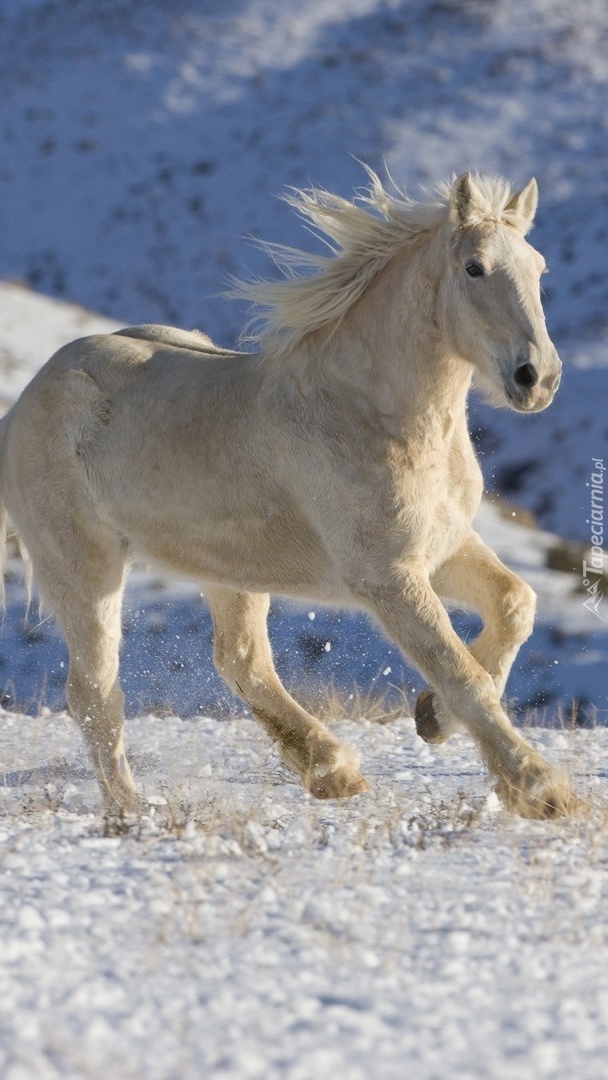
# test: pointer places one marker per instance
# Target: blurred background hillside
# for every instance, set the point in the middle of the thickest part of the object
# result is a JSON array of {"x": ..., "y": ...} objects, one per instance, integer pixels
[{"x": 142, "y": 143}]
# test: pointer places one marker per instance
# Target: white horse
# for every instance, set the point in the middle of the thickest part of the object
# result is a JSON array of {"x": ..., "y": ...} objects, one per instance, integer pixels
[{"x": 334, "y": 464}]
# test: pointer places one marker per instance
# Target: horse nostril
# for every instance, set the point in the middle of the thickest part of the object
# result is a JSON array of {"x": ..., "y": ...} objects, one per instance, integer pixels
[{"x": 525, "y": 375}]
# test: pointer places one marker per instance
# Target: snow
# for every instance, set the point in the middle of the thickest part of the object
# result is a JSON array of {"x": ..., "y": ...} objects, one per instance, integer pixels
[
  {"x": 244, "y": 930},
  {"x": 32, "y": 328},
  {"x": 240, "y": 929}
]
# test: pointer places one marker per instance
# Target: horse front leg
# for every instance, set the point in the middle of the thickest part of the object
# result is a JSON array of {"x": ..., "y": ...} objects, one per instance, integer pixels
[
  {"x": 243, "y": 657},
  {"x": 415, "y": 618},
  {"x": 475, "y": 579}
]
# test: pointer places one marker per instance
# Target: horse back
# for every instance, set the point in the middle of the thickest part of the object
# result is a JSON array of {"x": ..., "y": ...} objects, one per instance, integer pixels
[{"x": 193, "y": 340}]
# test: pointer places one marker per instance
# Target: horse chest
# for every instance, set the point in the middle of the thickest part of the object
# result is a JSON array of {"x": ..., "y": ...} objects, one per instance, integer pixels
[{"x": 436, "y": 496}]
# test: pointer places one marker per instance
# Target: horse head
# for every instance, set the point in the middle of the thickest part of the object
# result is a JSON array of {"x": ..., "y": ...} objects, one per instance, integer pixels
[{"x": 491, "y": 293}]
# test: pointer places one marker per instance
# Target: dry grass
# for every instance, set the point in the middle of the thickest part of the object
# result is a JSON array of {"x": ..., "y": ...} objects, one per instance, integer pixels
[
  {"x": 331, "y": 704},
  {"x": 188, "y": 808}
]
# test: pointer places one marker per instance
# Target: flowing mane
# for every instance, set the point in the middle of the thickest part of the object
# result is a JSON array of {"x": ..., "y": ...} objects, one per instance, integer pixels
[{"x": 362, "y": 236}]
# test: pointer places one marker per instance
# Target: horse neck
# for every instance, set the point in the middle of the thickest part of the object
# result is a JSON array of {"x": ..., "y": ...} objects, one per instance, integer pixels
[{"x": 389, "y": 347}]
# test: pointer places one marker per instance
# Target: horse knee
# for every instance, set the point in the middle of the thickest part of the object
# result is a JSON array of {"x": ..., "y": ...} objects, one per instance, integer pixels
[
  {"x": 225, "y": 661},
  {"x": 227, "y": 669},
  {"x": 516, "y": 610},
  {"x": 241, "y": 650},
  {"x": 95, "y": 697},
  {"x": 471, "y": 699},
  {"x": 241, "y": 665}
]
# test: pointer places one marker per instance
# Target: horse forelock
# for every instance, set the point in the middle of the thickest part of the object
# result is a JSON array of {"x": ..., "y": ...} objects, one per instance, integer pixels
[{"x": 362, "y": 235}]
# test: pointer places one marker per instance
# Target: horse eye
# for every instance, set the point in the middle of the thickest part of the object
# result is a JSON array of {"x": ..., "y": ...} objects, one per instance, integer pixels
[{"x": 474, "y": 270}]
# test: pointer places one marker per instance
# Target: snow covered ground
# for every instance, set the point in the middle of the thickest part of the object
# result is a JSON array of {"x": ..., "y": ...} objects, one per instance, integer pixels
[
  {"x": 241, "y": 929},
  {"x": 245, "y": 931}
]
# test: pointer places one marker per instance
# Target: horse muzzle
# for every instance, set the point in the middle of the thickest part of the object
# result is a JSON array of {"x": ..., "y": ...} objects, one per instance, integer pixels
[{"x": 531, "y": 389}]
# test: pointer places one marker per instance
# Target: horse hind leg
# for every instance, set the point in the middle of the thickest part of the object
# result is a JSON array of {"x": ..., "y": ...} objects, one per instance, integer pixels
[
  {"x": 85, "y": 592},
  {"x": 96, "y": 700},
  {"x": 243, "y": 657}
]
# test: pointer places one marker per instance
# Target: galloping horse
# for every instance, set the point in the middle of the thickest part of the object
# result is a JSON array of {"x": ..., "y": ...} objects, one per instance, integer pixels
[{"x": 333, "y": 464}]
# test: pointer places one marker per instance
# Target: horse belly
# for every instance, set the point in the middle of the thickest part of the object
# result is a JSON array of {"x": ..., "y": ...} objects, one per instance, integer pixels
[{"x": 271, "y": 551}]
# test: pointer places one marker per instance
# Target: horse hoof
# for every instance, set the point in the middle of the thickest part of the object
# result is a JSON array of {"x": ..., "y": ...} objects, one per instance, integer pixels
[
  {"x": 427, "y": 724},
  {"x": 341, "y": 783},
  {"x": 124, "y": 805},
  {"x": 549, "y": 797}
]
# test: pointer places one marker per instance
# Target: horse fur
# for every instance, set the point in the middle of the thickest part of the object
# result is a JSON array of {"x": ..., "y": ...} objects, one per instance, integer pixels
[{"x": 334, "y": 465}]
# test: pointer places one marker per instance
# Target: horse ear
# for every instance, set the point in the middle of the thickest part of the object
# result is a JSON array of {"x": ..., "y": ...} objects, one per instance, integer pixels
[
  {"x": 466, "y": 202},
  {"x": 522, "y": 206}
]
